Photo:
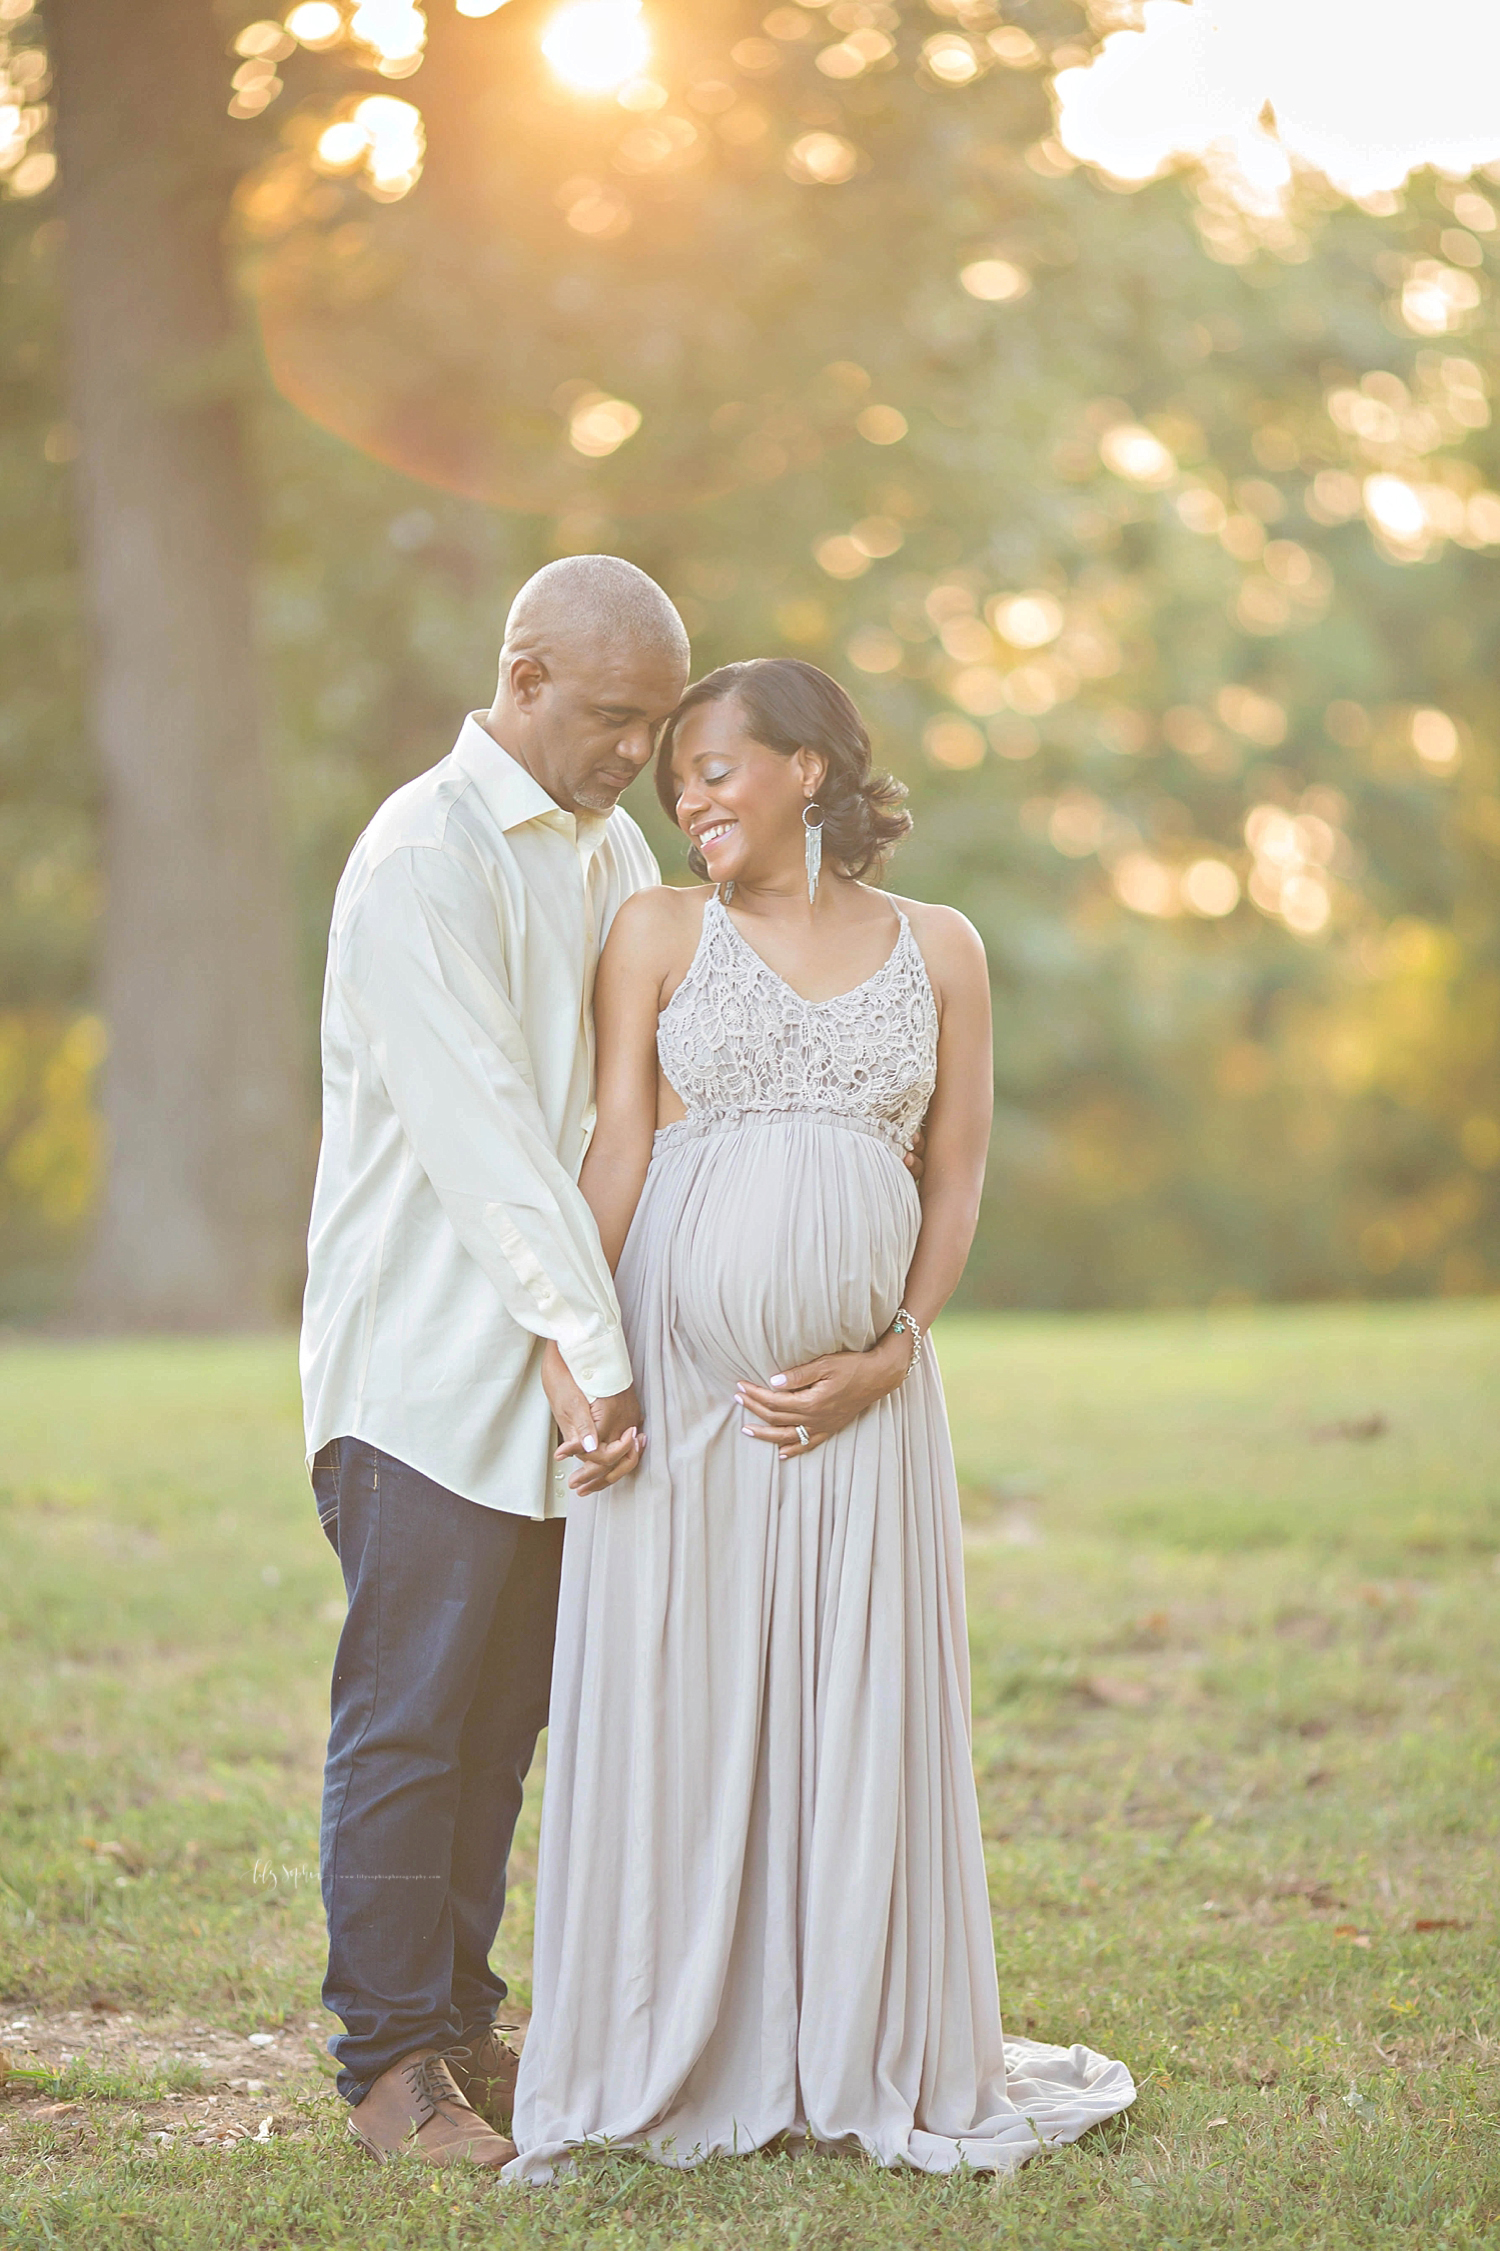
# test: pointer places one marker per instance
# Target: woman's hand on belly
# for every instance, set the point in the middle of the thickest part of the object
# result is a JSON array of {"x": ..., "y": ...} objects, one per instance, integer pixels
[{"x": 822, "y": 1396}]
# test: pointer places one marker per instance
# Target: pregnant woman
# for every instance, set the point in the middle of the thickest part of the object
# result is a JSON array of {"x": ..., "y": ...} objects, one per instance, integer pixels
[{"x": 761, "y": 1906}]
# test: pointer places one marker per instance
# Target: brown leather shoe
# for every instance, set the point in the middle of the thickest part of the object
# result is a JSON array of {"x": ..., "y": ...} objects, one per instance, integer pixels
[
  {"x": 485, "y": 2068},
  {"x": 416, "y": 2110}
]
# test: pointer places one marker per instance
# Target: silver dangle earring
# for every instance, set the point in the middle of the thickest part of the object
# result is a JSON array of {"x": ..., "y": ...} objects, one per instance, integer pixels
[{"x": 812, "y": 847}]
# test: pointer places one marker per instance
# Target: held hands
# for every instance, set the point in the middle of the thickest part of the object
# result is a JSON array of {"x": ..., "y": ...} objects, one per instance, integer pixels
[
  {"x": 605, "y": 1438},
  {"x": 822, "y": 1396}
]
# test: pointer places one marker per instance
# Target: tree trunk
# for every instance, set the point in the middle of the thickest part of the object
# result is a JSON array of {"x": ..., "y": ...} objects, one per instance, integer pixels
[{"x": 203, "y": 1098}]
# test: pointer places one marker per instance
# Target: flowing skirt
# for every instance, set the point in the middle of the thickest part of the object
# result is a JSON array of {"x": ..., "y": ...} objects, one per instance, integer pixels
[{"x": 761, "y": 1901}]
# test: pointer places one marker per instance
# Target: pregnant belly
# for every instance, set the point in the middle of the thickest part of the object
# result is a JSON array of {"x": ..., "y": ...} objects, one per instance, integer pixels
[{"x": 768, "y": 1243}]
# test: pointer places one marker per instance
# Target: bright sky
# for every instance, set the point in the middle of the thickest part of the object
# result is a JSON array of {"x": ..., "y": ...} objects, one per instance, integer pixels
[{"x": 1364, "y": 91}]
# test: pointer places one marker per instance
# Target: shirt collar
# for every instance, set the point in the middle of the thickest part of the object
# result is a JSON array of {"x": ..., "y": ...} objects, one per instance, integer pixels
[{"x": 511, "y": 795}]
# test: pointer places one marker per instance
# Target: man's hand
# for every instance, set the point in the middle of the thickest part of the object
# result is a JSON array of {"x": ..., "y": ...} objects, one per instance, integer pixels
[
  {"x": 605, "y": 1438},
  {"x": 822, "y": 1396}
]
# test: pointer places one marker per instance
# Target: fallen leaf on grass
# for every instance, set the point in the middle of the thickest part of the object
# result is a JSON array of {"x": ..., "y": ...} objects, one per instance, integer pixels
[
  {"x": 1438, "y": 1923},
  {"x": 1121, "y": 1695},
  {"x": 58, "y": 2110},
  {"x": 1316, "y": 1895},
  {"x": 1216, "y": 2122},
  {"x": 1352, "y": 1426},
  {"x": 1352, "y": 1933},
  {"x": 128, "y": 1857}
]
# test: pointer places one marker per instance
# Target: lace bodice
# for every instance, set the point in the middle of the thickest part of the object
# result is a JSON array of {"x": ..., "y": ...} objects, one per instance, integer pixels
[{"x": 735, "y": 1038}]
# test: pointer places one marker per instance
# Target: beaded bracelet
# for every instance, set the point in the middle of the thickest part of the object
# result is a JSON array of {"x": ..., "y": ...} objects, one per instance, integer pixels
[{"x": 907, "y": 1324}]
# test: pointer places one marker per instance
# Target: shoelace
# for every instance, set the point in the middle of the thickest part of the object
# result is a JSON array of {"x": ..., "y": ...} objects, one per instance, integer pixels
[{"x": 432, "y": 2083}]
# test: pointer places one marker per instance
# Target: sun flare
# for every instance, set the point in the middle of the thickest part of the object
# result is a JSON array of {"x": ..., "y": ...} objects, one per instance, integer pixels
[{"x": 596, "y": 45}]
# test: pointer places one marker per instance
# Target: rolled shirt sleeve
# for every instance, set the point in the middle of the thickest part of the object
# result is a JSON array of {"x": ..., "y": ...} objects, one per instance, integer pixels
[{"x": 422, "y": 972}]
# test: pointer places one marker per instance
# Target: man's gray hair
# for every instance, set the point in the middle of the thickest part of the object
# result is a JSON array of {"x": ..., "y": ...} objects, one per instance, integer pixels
[{"x": 594, "y": 594}]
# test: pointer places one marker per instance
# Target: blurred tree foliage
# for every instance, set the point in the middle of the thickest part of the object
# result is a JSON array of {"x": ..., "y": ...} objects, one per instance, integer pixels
[{"x": 1160, "y": 550}]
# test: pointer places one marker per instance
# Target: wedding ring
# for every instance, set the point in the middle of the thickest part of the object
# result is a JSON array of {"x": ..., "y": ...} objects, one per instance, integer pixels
[{"x": 803, "y": 1436}]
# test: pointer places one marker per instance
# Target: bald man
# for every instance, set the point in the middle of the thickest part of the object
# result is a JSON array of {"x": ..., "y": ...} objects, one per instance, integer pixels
[{"x": 449, "y": 1242}]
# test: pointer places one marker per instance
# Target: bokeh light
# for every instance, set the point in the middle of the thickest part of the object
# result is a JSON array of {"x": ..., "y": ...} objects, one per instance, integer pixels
[
  {"x": 382, "y": 139},
  {"x": 951, "y": 59},
  {"x": 27, "y": 163},
  {"x": 840, "y": 556},
  {"x": 1292, "y": 854},
  {"x": 851, "y": 57},
  {"x": 395, "y": 31},
  {"x": 955, "y": 743},
  {"x": 1137, "y": 454},
  {"x": 1146, "y": 885},
  {"x": 595, "y": 46},
  {"x": 316, "y": 24},
  {"x": 599, "y": 426},
  {"x": 1211, "y": 888},
  {"x": 1436, "y": 740},
  {"x": 342, "y": 145},
  {"x": 823, "y": 160},
  {"x": 1027, "y": 621},
  {"x": 995, "y": 280},
  {"x": 881, "y": 425},
  {"x": 270, "y": 40}
]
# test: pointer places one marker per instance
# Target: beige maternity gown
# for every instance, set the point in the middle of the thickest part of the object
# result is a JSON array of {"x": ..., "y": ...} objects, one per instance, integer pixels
[{"x": 761, "y": 1904}]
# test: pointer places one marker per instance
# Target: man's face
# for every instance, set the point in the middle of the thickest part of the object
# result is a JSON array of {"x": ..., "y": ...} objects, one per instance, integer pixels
[{"x": 593, "y": 719}]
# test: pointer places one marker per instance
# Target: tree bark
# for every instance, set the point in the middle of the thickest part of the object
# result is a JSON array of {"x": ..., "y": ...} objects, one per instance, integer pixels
[{"x": 209, "y": 1146}]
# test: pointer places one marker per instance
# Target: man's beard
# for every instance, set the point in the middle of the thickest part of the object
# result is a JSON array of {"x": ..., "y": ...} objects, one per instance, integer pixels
[{"x": 597, "y": 796}]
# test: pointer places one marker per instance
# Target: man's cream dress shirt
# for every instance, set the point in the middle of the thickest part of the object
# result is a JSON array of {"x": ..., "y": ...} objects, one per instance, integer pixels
[{"x": 448, "y": 1233}]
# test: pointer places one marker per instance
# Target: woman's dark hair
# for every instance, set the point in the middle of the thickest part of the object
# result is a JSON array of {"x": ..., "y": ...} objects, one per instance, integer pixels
[{"x": 791, "y": 706}]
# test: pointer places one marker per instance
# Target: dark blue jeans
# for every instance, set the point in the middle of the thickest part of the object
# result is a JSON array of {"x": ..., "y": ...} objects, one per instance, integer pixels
[{"x": 439, "y": 1693}]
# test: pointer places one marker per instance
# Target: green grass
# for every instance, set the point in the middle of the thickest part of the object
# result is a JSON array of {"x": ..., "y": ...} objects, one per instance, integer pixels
[{"x": 1237, "y": 1726}]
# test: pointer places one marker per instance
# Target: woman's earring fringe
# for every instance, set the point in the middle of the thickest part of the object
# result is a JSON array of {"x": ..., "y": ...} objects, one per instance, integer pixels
[{"x": 812, "y": 832}]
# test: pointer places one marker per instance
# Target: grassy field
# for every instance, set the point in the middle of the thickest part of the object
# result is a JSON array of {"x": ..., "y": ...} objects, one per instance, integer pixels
[{"x": 1235, "y": 1608}]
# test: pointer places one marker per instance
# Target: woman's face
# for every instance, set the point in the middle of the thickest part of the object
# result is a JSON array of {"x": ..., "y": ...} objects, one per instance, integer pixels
[{"x": 740, "y": 803}]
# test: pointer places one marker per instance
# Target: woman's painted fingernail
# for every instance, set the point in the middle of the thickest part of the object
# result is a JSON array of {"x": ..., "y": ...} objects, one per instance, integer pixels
[
  {"x": 591, "y": 1444},
  {"x": 746, "y": 1431},
  {"x": 778, "y": 1383}
]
